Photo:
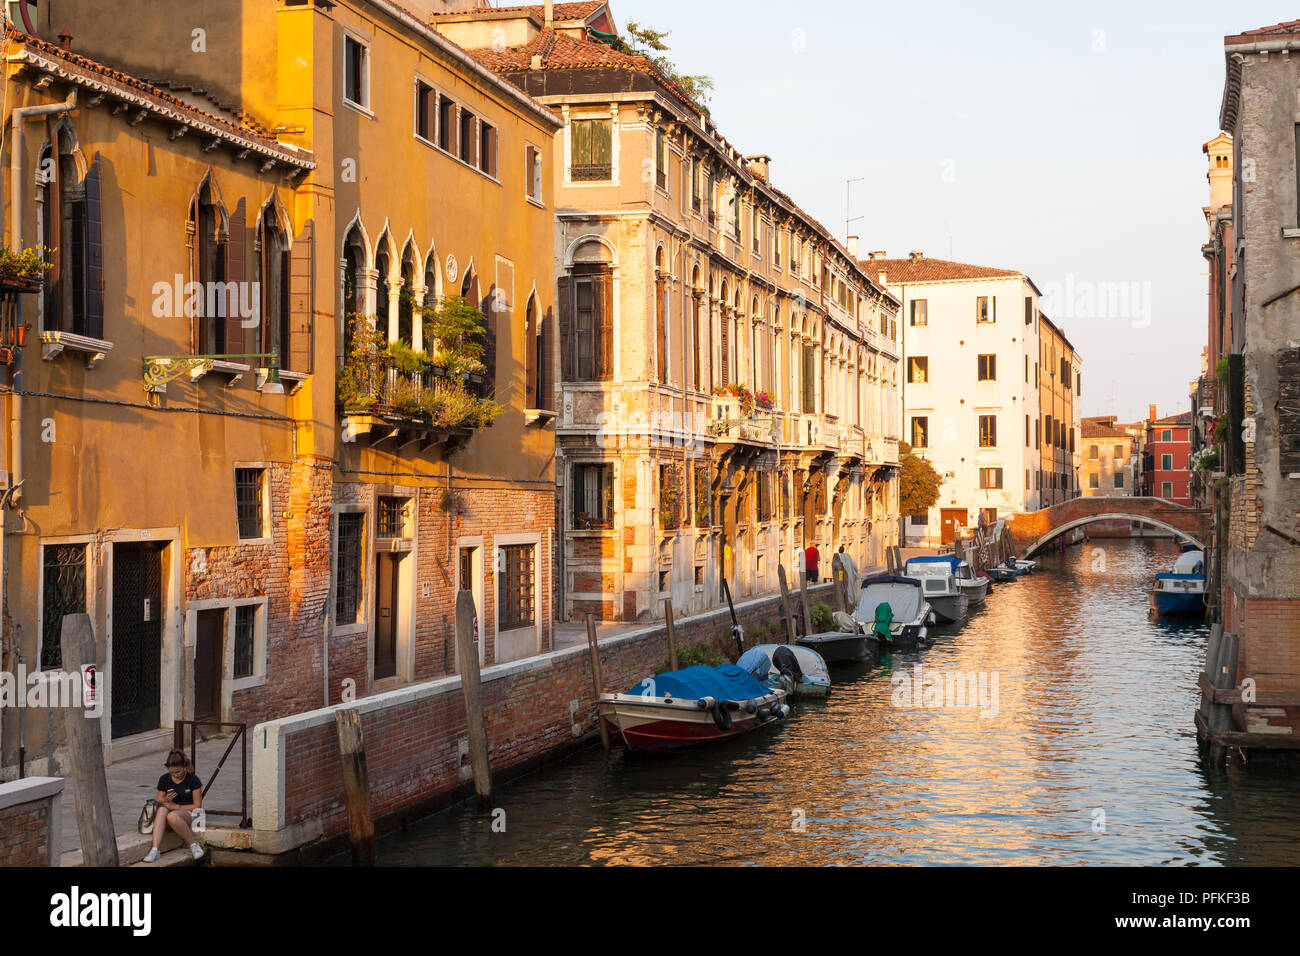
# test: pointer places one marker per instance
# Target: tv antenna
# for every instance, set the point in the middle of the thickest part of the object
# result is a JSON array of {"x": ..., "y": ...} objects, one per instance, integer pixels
[{"x": 849, "y": 220}]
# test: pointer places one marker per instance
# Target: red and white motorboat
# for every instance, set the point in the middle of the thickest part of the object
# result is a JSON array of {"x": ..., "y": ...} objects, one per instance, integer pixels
[{"x": 680, "y": 708}]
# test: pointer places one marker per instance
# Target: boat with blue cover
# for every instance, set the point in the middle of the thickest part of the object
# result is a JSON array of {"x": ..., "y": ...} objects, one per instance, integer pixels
[
  {"x": 679, "y": 708},
  {"x": 1182, "y": 590},
  {"x": 800, "y": 670}
]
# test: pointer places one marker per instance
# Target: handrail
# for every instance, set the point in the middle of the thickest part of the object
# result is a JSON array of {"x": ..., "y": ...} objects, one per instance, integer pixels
[{"x": 240, "y": 736}]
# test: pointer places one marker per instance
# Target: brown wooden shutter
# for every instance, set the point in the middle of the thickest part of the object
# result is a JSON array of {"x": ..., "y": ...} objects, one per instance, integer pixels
[
  {"x": 545, "y": 329},
  {"x": 490, "y": 306},
  {"x": 605, "y": 323},
  {"x": 298, "y": 350},
  {"x": 236, "y": 272},
  {"x": 94, "y": 251},
  {"x": 662, "y": 330},
  {"x": 564, "y": 301}
]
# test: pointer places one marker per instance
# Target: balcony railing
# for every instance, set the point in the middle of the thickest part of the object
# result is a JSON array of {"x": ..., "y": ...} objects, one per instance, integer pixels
[
  {"x": 736, "y": 420},
  {"x": 591, "y": 172}
]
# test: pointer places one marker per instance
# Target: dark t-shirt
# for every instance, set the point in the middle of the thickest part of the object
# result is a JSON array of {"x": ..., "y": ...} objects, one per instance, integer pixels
[{"x": 184, "y": 790}]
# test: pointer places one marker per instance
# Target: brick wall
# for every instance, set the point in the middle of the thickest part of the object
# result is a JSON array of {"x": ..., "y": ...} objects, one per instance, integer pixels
[
  {"x": 29, "y": 821},
  {"x": 416, "y": 737}
]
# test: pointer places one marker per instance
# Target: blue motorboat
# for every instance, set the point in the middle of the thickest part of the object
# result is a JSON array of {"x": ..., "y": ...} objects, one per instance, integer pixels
[{"x": 1182, "y": 590}]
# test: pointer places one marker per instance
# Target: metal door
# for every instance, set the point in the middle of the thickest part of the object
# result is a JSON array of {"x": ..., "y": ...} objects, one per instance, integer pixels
[
  {"x": 137, "y": 637},
  {"x": 208, "y": 671}
]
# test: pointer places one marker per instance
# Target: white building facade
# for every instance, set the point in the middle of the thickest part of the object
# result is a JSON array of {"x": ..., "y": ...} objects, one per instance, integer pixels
[{"x": 970, "y": 388}]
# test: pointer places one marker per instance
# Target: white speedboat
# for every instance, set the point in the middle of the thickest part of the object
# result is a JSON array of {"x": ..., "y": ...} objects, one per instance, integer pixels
[
  {"x": 974, "y": 586},
  {"x": 939, "y": 585}
]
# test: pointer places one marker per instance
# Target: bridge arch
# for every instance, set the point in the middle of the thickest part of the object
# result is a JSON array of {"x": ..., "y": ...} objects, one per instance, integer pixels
[
  {"x": 1032, "y": 530},
  {"x": 1052, "y": 535}
]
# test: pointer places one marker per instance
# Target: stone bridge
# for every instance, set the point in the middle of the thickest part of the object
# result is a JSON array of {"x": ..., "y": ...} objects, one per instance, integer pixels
[{"x": 1034, "y": 529}]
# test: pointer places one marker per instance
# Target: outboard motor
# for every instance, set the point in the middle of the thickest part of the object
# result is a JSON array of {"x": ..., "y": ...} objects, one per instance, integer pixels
[{"x": 788, "y": 664}]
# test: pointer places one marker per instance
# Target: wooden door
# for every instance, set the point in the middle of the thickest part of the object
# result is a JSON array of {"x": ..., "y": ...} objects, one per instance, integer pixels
[
  {"x": 386, "y": 616},
  {"x": 208, "y": 650},
  {"x": 952, "y": 521}
]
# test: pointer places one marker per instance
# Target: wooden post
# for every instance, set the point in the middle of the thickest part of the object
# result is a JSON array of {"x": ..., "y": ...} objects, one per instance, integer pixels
[
  {"x": 1225, "y": 677},
  {"x": 356, "y": 786},
  {"x": 839, "y": 574},
  {"x": 807, "y": 613},
  {"x": 791, "y": 635},
  {"x": 1212, "y": 645},
  {"x": 86, "y": 751},
  {"x": 672, "y": 634},
  {"x": 596, "y": 681},
  {"x": 467, "y": 651}
]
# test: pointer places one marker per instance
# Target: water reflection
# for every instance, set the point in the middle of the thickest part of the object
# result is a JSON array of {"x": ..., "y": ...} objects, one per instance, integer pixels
[{"x": 1091, "y": 758}]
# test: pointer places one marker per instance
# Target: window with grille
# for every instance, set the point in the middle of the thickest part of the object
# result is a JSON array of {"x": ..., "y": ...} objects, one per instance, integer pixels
[
  {"x": 988, "y": 368},
  {"x": 593, "y": 496},
  {"x": 392, "y": 517},
  {"x": 670, "y": 497},
  {"x": 988, "y": 431},
  {"x": 248, "y": 501},
  {"x": 592, "y": 150},
  {"x": 515, "y": 586},
  {"x": 348, "y": 568},
  {"x": 63, "y": 592},
  {"x": 245, "y": 624}
]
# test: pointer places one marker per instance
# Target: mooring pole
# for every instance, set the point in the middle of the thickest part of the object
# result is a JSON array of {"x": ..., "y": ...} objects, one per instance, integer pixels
[
  {"x": 1224, "y": 678},
  {"x": 807, "y": 612},
  {"x": 596, "y": 681},
  {"x": 839, "y": 576},
  {"x": 86, "y": 752},
  {"x": 356, "y": 787},
  {"x": 791, "y": 635},
  {"x": 475, "y": 721}
]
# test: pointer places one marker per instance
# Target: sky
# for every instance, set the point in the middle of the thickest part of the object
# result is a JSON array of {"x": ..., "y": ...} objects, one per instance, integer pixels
[{"x": 1060, "y": 140}]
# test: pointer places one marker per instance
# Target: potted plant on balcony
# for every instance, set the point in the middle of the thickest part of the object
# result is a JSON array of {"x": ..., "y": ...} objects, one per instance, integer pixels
[
  {"x": 764, "y": 400},
  {"x": 359, "y": 383},
  {"x": 24, "y": 271}
]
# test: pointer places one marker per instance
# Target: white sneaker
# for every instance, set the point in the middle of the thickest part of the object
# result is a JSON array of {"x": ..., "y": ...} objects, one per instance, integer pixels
[
  {"x": 197, "y": 851},
  {"x": 151, "y": 856}
]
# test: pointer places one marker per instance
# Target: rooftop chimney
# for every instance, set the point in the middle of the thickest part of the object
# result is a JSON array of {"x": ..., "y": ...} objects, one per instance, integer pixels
[
  {"x": 1151, "y": 413},
  {"x": 759, "y": 166},
  {"x": 880, "y": 277},
  {"x": 853, "y": 246},
  {"x": 915, "y": 255},
  {"x": 876, "y": 254},
  {"x": 549, "y": 14},
  {"x": 65, "y": 41}
]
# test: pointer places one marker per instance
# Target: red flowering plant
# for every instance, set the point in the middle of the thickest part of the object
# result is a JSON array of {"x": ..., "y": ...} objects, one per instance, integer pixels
[
  {"x": 764, "y": 400},
  {"x": 741, "y": 392}
]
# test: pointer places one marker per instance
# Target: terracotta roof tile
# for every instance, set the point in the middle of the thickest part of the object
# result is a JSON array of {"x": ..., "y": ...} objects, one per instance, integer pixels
[
  {"x": 925, "y": 269},
  {"x": 1099, "y": 430},
  {"x": 560, "y": 11},
  {"x": 1287, "y": 29},
  {"x": 239, "y": 123}
]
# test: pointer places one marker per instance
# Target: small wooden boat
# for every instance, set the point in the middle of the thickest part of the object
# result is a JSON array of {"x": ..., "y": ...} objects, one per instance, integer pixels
[
  {"x": 895, "y": 609},
  {"x": 1000, "y": 573},
  {"x": 803, "y": 672},
  {"x": 690, "y": 706},
  {"x": 1181, "y": 591}
]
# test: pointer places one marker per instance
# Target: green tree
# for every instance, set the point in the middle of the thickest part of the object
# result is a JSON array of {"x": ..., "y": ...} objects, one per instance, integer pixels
[
  {"x": 918, "y": 482},
  {"x": 649, "y": 43}
]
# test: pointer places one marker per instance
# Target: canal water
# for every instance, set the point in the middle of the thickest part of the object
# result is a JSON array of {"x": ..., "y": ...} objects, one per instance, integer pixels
[{"x": 1086, "y": 754}]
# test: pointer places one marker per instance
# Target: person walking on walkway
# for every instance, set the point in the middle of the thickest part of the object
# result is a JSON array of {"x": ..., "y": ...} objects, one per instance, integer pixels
[
  {"x": 180, "y": 792},
  {"x": 811, "y": 557}
]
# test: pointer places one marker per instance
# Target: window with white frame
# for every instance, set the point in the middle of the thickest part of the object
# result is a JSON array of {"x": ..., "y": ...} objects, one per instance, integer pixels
[
  {"x": 533, "y": 173},
  {"x": 356, "y": 69},
  {"x": 591, "y": 149},
  {"x": 425, "y": 101},
  {"x": 251, "y": 511},
  {"x": 516, "y": 595}
]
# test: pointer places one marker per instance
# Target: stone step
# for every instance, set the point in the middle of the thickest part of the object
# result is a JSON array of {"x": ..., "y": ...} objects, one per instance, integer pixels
[{"x": 132, "y": 848}]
